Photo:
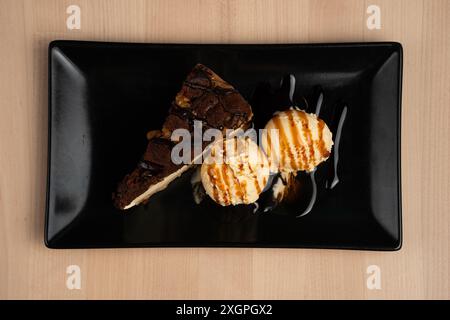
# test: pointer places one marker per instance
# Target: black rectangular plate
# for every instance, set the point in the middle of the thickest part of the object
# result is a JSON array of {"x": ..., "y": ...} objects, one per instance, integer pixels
[{"x": 104, "y": 97}]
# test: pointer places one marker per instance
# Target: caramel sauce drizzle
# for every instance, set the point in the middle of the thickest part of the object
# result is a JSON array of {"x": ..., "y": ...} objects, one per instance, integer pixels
[
  {"x": 255, "y": 178},
  {"x": 301, "y": 158},
  {"x": 225, "y": 185},
  {"x": 321, "y": 143},
  {"x": 284, "y": 146},
  {"x": 244, "y": 186},
  {"x": 269, "y": 148},
  {"x": 308, "y": 137},
  {"x": 212, "y": 177},
  {"x": 226, "y": 182},
  {"x": 239, "y": 191}
]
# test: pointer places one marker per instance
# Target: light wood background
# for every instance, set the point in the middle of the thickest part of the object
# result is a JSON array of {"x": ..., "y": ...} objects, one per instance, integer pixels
[{"x": 419, "y": 270}]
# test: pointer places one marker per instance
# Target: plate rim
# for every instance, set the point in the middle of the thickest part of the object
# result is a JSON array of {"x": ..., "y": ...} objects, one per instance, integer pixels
[{"x": 398, "y": 47}]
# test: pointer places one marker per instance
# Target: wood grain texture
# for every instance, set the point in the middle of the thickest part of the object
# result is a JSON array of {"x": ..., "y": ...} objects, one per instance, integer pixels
[{"x": 419, "y": 270}]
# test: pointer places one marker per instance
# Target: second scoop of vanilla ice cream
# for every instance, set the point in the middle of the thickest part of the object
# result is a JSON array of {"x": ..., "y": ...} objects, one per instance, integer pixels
[
  {"x": 235, "y": 172},
  {"x": 296, "y": 141}
]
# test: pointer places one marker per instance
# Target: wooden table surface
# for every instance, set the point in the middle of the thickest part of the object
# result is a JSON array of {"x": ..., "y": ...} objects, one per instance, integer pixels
[{"x": 419, "y": 270}]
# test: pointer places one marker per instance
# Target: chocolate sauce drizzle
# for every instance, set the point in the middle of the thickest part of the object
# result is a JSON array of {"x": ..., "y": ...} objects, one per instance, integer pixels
[{"x": 335, "y": 154}]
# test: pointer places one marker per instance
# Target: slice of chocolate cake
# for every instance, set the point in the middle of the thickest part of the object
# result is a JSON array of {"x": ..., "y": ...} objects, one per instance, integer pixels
[{"x": 205, "y": 97}]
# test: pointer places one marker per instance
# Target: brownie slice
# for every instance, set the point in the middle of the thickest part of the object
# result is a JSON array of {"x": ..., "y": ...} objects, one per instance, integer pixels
[{"x": 205, "y": 97}]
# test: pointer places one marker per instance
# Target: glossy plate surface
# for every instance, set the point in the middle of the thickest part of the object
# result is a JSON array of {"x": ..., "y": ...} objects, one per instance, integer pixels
[{"x": 104, "y": 97}]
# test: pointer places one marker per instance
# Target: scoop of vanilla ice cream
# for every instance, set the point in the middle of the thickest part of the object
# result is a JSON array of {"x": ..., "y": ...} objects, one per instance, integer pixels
[
  {"x": 295, "y": 140},
  {"x": 235, "y": 171}
]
